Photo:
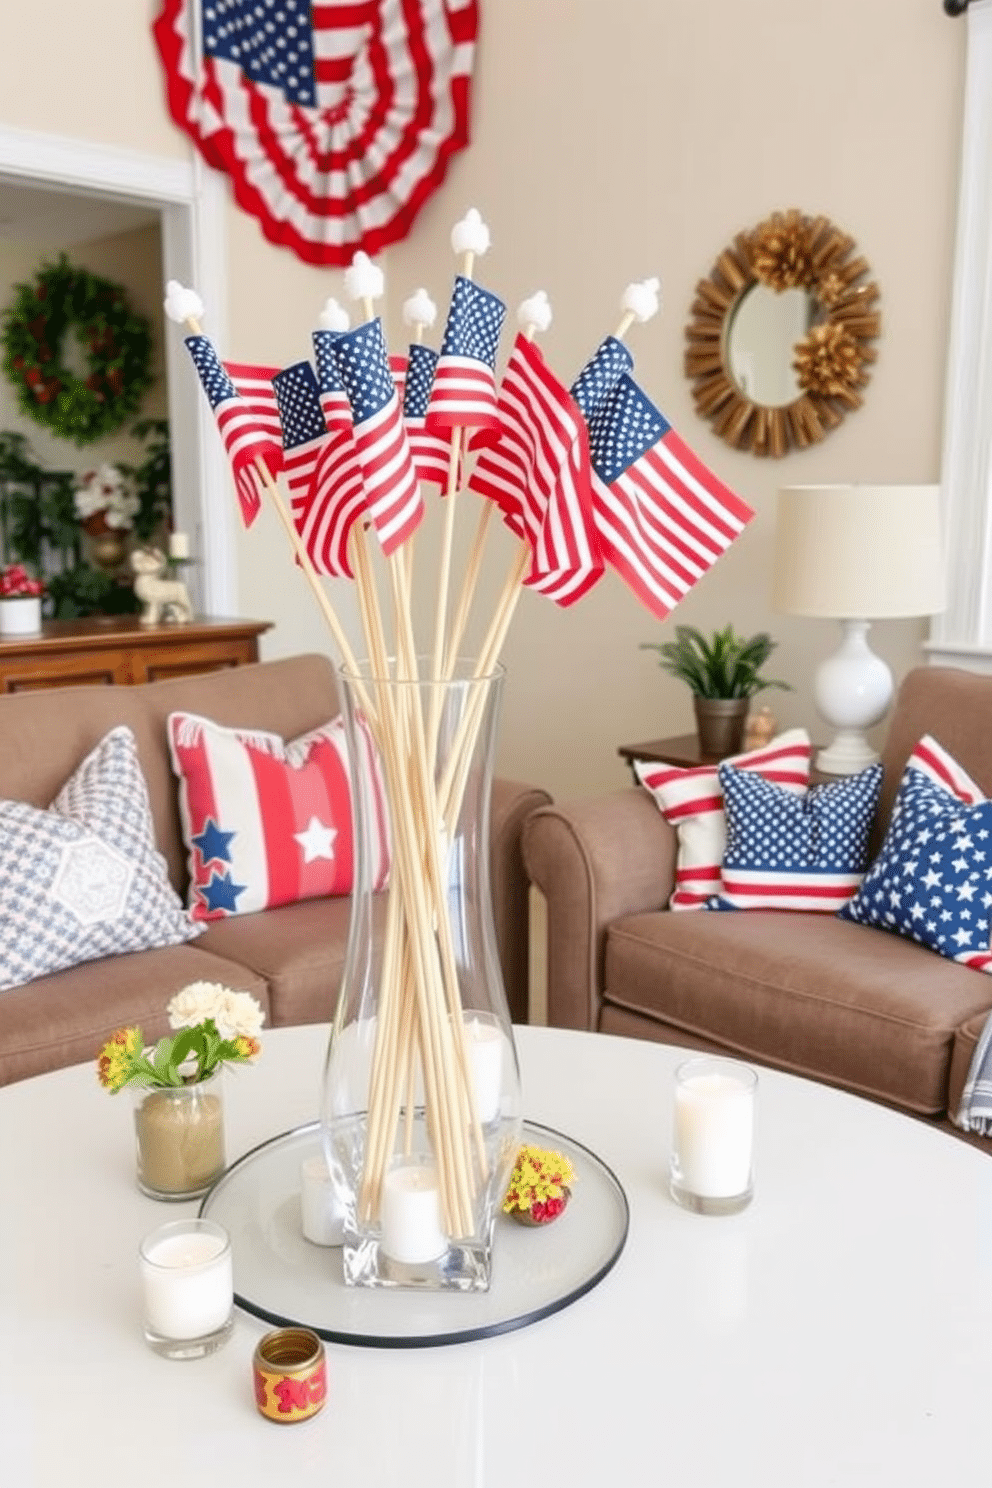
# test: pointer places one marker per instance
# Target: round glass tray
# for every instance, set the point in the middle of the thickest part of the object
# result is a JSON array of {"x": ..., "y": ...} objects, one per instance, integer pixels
[{"x": 283, "y": 1278}]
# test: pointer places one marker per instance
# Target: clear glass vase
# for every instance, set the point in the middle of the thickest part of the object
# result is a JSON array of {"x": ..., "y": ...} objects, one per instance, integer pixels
[
  {"x": 179, "y": 1137},
  {"x": 421, "y": 1102}
]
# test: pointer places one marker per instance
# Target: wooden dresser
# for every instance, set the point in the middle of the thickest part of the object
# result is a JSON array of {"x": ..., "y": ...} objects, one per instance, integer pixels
[{"x": 107, "y": 649}]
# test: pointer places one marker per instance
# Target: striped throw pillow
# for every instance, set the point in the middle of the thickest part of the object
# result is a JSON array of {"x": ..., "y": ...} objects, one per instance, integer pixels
[
  {"x": 691, "y": 800},
  {"x": 786, "y": 851},
  {"x": 267, "y": 822}
]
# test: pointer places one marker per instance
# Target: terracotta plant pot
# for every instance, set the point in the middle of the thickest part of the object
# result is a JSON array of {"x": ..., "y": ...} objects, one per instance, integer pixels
[{"x": 720, "y": 725}]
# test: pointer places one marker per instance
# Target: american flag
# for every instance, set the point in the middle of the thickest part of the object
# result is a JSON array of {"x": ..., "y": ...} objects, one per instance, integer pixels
[
  {"x": 600, "y": 375},
  {"x": 392, "y": 491},
  {"x": 539, "y": 477},
  {"x": 431, "y": 450},
  {"x": 327, "y": 493},
  {"x": 662, "y": 517},
  {"x": 335, "y": 121},
  {"x": 245, "y": 426},
  {"x": 333, "y": 398},
  {"x": 464, "y": 389}
]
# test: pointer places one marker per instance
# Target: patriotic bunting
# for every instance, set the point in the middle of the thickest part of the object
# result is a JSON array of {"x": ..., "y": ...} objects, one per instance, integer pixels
[
  {"x": 335, "y": 122},
  {"x": 539, "y": 477},
  {"x": 245, "y": 424}
]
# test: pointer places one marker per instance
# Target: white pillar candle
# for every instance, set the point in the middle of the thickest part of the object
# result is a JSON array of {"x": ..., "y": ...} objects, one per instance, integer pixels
[
  {"x": 178, "y": 544},
  {"x": 713, "y": 1128},
  {"x": 484, "y": 1044},
  {"x": 411, "y": 1213},
  {"x": 187, "y": 1279},
  {"x": 322, "y": 1210}
]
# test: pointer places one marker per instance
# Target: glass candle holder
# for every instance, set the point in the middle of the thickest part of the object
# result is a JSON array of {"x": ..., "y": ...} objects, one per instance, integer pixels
[
  {"x": 711, "y": 1165},
  {"x": 187, "y": 1287}
]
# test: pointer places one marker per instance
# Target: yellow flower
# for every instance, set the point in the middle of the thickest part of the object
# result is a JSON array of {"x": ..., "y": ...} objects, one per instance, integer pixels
[
  {"x": 538, "y": 1178},
  {"x": 115, "y": 1062}
]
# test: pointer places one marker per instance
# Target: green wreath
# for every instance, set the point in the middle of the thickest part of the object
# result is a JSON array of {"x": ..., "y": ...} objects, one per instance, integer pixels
[{"x": 117, "y": 343}]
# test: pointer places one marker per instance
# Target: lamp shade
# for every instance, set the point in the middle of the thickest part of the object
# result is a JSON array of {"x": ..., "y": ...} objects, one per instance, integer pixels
[{"x": 865, "y": 552}]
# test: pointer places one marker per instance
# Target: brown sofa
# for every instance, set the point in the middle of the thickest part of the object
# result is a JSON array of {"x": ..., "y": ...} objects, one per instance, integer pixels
[
  {"x": 851, "y": 1005},
  {"x": 290, "y": 958}
]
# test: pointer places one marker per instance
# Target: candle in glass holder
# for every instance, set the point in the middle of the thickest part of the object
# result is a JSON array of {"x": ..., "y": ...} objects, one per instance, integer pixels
[
  {"x": 484, "y": 1046},
  {"x": 713, "y": 1135},
  {"x": 411, "y": 1213},
  {"x": 322, "y": 1212},
  {"x": 187, "y": 1287},
  {"x": 178, "y": 544}
]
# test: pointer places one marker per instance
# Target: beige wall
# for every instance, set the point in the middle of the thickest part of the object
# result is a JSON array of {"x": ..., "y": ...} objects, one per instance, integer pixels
[{"x": 611, "y": 143}]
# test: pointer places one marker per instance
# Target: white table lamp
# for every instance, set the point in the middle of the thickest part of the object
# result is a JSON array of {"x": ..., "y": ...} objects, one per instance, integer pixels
[{"x": 857, "y": 554}]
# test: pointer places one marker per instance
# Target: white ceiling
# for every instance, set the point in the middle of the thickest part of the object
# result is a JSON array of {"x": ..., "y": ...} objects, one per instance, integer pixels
[{"x": 59, "y": 219}]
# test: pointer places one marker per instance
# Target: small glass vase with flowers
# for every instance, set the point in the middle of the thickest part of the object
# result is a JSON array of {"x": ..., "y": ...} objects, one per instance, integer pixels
[{"x": 176, "y": 1086}]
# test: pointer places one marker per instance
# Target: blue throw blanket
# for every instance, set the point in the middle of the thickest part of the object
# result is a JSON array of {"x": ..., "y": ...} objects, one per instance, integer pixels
[{"x": 975, "y": 1111}]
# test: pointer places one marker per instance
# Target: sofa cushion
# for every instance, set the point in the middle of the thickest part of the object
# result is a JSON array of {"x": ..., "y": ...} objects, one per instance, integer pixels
[
  {"x": 68, "y": 1017},
  {"x": 299, "y": 949},
  {"x": 84, "y": 879},
  {"x": 932, "y": 880},
  {"x": 791, "y": 852},
  {"x": 813, "y": 994},
  {"x": 268, "y": 822},
  {"x": 691, "y": 801}
]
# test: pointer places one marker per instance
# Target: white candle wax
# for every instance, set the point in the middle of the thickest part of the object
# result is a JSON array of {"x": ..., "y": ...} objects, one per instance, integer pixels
[
  {"x": 178, "y": 544},
  {"x": 187, "y": 1282},
  {"x": 323, "y": 1213},
  {"x": 484, "y": 1046},
  {"x": 713, "y": 1133},
  {"x": 411, "y": 1213}
]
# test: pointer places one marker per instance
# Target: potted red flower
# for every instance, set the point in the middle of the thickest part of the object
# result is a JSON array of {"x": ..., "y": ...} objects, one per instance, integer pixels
[{"x": 20, "y": 601}]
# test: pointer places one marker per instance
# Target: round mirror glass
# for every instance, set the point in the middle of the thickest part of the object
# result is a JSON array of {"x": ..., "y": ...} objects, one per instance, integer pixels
[{"x": 764, "y": 330}]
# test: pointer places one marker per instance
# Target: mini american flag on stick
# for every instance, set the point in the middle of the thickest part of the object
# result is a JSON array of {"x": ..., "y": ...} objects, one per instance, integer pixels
[
  {"x": 464, "y": 389},
  {"x": 431, "y": 449},
  {"x": 539, "y": 476},
  {"x": 245, "y": 426},
  {"x": 333, "y": 398},
  {"x": 392, "y": 491},
  {"x": 662, "y": 517}
]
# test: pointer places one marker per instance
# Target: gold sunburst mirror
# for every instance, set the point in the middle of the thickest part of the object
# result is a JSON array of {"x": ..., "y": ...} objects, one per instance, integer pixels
[{"x": 779, "y": 343}]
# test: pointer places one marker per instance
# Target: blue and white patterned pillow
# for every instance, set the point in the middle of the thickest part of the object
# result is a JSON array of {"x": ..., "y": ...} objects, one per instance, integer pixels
[
  {"x": 786, "y": 851},
  {"x": 84, "y": 879},
  {"x": 932, "y": 880}
]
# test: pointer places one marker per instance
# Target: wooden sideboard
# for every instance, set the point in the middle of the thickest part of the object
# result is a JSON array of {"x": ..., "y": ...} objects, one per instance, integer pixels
[{"x": 109, "y": 649}]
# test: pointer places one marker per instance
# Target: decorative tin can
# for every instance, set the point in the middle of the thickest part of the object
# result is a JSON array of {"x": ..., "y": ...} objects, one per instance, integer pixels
[{"x": 290, "y": 1374}]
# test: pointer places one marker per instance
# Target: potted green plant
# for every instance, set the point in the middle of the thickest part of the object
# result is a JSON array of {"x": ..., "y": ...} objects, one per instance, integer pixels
[{"x": 723, "y": 671}]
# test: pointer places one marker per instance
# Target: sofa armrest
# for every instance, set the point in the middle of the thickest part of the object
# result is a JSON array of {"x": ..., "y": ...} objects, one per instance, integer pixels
[
  {"x": 593, "y": 861},
  {"x": 510, "y": 804}
]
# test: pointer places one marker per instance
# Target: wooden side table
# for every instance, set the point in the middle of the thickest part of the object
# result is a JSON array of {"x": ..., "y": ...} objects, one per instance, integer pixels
[
  {"x": 106, "y": 649},
  {"x": 682, "y": 751}
]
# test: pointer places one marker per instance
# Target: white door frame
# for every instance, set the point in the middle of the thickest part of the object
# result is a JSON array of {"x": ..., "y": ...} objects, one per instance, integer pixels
[{"x": 190, "y": 199}]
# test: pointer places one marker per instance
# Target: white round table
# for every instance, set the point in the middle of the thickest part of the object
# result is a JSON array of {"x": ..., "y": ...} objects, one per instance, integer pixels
[{"x": 838, "y": 1331}]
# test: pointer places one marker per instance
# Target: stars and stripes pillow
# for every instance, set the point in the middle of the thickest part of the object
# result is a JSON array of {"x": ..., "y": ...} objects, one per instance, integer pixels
[
  {"x": 691, "y": 800},
  {"x": 267, "y": 822},
  {"x": 932, "y": 879},
  {"x": 796, "y": 852}
]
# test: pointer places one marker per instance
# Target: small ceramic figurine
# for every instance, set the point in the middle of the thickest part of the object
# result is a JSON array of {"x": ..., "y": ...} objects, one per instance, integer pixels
[
  {"x": 760, "y": 729},
  {"x": 163, "y": 599}
]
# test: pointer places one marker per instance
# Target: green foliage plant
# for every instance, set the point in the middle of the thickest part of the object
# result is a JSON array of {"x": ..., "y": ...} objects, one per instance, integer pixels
[{"x": 722, "y": 665}]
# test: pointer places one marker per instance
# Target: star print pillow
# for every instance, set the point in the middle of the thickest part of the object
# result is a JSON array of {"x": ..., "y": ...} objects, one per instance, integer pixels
[
  {"x": 932, "y": 880},
  {"x": 787, "y": 851},
  {"x": 84, "y": 879},
  {"x": 268, "y": 822}
]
